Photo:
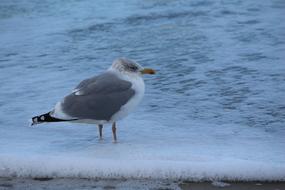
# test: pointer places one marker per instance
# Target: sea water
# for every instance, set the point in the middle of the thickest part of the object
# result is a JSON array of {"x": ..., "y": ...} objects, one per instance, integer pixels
[{"x": 214, "y": 110}]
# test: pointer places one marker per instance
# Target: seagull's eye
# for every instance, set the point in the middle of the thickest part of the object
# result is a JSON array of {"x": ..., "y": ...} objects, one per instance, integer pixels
[{"x": 133, "y": 68}]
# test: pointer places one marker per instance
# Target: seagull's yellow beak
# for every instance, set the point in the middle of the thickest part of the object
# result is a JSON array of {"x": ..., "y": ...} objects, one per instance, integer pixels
[{"x": 148, "y": 71}]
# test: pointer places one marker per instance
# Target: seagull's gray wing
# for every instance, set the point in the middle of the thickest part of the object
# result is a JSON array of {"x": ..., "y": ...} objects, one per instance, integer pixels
[{"x": 98, "y": 98}]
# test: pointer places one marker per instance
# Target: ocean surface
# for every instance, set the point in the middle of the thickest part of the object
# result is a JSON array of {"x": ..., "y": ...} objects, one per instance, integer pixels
[{"x": 215, "y": 109}]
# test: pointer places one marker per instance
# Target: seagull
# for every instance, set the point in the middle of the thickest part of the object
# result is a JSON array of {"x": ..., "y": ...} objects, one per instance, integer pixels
[{"x": 102, "y": 99}]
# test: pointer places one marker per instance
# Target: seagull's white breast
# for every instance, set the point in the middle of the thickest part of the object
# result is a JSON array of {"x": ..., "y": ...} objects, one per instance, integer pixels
[{"x": 139, "y": 88}]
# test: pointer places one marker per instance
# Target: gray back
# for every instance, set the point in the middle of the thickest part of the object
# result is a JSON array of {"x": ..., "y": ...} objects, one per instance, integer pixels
[{"x": 99, "y": 98}]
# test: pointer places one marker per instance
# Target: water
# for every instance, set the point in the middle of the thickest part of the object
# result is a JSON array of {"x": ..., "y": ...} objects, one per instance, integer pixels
[{"x": 215, "y": 109}]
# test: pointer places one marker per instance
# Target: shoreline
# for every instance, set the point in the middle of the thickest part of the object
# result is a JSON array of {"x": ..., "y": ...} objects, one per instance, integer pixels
[{"x": 7, "y": 183}]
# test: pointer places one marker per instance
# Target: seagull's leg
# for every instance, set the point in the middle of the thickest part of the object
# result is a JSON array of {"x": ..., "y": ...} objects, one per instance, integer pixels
[
  {"x": 100, "y": 131},
  {"x": 114, "y": 132}
]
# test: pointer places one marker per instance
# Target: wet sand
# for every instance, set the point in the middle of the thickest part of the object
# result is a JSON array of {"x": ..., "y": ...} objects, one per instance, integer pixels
[
  {"x": 234, "y": 186},
  {"x": 79, "y": 183}
]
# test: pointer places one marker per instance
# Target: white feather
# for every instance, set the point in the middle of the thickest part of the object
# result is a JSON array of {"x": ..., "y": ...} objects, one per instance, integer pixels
[{"x": 139, "y": 88}]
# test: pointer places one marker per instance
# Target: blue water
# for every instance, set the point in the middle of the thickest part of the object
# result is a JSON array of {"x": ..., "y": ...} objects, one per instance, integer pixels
[{"x": 215, "y": 109}]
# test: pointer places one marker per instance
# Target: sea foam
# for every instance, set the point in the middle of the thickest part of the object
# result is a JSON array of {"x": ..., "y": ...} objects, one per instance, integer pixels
[{"x": 58, "y": 166}]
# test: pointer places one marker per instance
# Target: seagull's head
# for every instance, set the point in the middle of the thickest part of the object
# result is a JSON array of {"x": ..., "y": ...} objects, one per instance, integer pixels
[{"x": 127, "y": 66}]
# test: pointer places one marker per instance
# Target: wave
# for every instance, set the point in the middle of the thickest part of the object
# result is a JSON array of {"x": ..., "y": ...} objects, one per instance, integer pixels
[{"x": 81, "y": 167}]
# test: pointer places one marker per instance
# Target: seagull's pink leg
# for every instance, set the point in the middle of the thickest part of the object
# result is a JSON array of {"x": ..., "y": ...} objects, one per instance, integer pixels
[{"x": 114, "y": 132}]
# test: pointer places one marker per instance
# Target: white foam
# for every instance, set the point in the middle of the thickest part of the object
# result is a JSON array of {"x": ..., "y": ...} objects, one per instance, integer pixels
[
  {"x": 58, "y": 166},
  {"x": 76, "y": 151}
]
